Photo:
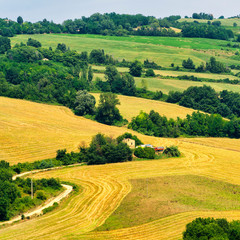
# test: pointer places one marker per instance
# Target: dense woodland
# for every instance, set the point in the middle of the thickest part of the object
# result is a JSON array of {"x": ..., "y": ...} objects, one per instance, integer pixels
[{"x": 120, "y": 25}]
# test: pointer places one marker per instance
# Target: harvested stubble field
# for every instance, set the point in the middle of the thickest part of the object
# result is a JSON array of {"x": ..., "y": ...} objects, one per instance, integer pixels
[
  {"x": 32, "y": 131},
  {"x": 104, "y": 187},
  {"x": 131, "y": 106}
]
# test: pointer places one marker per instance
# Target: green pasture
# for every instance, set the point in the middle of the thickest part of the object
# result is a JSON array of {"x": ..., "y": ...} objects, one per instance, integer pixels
[
  {"x": 154, "y": 198},
  {"x": 166, "y": 85},
  {"x": 162, "y": 50}
]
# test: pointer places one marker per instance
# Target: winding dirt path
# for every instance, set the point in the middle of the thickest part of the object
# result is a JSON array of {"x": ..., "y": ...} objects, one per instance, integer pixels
[{"x": 38, "y": 211}]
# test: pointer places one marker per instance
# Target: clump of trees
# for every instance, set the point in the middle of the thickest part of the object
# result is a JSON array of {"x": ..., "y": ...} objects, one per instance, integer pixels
[
  {"x": 5, "y": 44},
  {"x": 210, "y": 228},
  {"x": 202, "y": 16},
  {"x": 196, "y": 124},
  {"x": 145, "y": 152},
  {"x": 226, "y": 103},
  {"x": 212, "y": 66},
  {"x": 172, "y": 151}
]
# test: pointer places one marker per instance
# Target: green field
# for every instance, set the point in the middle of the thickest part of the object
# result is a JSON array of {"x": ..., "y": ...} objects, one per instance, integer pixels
[
  {"x": 154, "y": 198},
  {"x": 166, "y": 85},
  {"x": 162, "y": 50},
  {"x": 224, "y": 22}
]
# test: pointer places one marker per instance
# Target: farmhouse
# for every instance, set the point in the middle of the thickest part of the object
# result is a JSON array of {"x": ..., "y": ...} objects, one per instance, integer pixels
[{"x": 130, "y": 142}]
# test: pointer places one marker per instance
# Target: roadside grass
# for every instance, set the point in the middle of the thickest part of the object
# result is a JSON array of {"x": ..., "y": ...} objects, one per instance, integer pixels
[{"x": 154, "y": 198}]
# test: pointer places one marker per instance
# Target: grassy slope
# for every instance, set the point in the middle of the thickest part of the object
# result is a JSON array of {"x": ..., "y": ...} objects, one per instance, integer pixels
[
  {"x": 166, "y": 85},
  {"x": 131, "y": 106},
  {"x": 31, "y": 131},
  {"x": 162, "y": 50},
  {"x": 154, "y": 198},
  {"x": 179, "y": 73}
]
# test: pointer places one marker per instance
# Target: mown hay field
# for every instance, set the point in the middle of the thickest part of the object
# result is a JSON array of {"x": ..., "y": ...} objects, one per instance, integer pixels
[
  {"x": 104, "y": 188},
  {"x": 162, "y": 50},
  {"x": 32, "y": 131},
  {"x": 131, "y": 106}
]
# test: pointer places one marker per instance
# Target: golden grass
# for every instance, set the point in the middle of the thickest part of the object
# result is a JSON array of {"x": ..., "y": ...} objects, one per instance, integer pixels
[
  {"x": 104, "y": 187},
  {"x": 32, "y": 131},
  {"x": 131, "y": 106}
]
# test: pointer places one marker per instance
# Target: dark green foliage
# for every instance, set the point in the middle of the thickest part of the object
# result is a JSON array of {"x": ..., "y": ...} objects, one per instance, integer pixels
[
  {"x": 188, "y": 64},
  {"x": 20, "y": 20},
  {"x": 202, "y": 16},
  {"x": 124, "y": 84},
  {"x": 62, "y": 47},
  {"x": 197, "y": 124},
  {"x": 210, "y": 228},
  {"x": 150, "y": 73},
  {"x": 172, "y": 151},
  {"x": 90, "y": 74},
  {"x": 149, "y": 64},
  {"x": 24, "y": 54},
  {"x": 135, "y": 69},
  {"x": 129, "y": 135},
  {"x": 106, "y": 150},
  {"x": 206, "y": 31},
  {"x": 107, "y": 112},
  {"x": 145, "y": 152},
  {"x": 84, "y": 103},
  {"x": 97, "y": 56},
  {"x": 205, "y": 98},
  {"x": 216, "y": 67},
  {"x": 41, "y": 195},
  {"x": 34, "y": 43},
  {"x": 5, "y": 44}
]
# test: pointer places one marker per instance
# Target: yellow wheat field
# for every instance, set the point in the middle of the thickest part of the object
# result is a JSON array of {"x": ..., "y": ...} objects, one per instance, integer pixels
[
  {"x": 131, "y": 106},
  {"x": 104, "y": 186},
  {"x": 32, "y": 131}
]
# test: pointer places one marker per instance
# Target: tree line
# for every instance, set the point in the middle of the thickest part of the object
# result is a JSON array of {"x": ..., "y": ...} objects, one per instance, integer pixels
[
  {"x": 196, "y": 124},
  {"x": 117, "y": 25},
  {"x": 205, "y": 98}
]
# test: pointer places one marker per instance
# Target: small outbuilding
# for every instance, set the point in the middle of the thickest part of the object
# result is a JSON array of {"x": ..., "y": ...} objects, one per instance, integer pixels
[{"x": 130, "y": 142}]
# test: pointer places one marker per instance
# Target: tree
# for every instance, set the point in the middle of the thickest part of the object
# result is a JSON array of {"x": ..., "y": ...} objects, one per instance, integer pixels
[
  {"x": 34, "y": 43},
  {"x": 20, "y": 20},
  {"x": 150, "y": 73},
  {"x": 188, "y": 64},
  {"x": 90, "y": 74},
  {"x": 84, "y": 103},
  {"x": 62, "y": 47},
  {"x": 5, "y": 44},
  {"x": 107, "y": 111},
  {"x": 234, "y": 24},
  {"x": 135, "y": 69}
]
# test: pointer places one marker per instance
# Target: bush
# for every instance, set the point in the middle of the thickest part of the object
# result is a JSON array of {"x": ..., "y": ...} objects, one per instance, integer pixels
[
  {"x": 145, "y": 152},
  {"x": 41, "y": 195},
  {"x": 172, "y": 151},
  {"x": 150, "y": 73},
  {"x": 49, "y": 209}
]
